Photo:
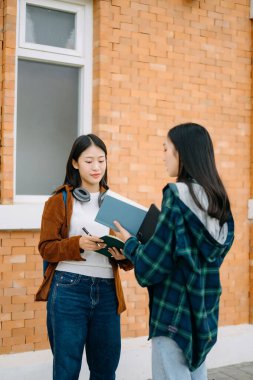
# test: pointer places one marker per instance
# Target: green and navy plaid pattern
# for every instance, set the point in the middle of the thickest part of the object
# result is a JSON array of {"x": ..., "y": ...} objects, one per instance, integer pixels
[{"x": 180, "y": 266}]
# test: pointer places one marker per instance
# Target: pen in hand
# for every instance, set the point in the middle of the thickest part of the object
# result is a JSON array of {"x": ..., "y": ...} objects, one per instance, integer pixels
[{"x": 87, "y": 233}]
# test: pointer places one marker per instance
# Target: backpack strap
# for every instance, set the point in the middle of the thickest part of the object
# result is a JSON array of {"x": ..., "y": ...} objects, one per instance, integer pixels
[{"x": 64, "y": 196}]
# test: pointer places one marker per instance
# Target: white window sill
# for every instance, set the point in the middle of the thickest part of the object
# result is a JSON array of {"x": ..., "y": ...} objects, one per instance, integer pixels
[{"x": 21, "y": 216}]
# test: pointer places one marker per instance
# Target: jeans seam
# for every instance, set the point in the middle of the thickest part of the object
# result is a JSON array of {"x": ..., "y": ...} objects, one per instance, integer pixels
[{"x": 52, "y": 316}]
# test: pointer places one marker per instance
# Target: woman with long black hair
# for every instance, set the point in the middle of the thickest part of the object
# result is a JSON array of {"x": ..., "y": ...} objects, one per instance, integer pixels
[{"x": 180, "y": 263}]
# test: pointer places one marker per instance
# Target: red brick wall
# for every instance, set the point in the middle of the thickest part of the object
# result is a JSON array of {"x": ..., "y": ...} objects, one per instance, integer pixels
[
  {"x": 156, "y": 63},
  {"x": 162, "y": 63},
  {"x": 22, "y": 320}
]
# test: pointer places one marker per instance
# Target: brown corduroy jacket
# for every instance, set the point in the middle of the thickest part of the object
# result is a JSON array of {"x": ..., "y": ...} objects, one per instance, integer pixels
[{"x": 55, "y": 245}]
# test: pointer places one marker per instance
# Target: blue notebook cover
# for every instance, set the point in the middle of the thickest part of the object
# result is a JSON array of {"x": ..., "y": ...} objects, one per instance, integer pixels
[{"x": 129, "y": 216}]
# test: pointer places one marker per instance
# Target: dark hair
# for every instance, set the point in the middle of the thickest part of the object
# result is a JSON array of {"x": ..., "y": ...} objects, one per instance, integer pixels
[
  {"x": 80, "y": 145},
  {"x": 197, "y": 163}
]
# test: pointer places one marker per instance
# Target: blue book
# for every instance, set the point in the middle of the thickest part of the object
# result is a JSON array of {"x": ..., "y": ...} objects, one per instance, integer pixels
[{"x": 129, "y": 215}]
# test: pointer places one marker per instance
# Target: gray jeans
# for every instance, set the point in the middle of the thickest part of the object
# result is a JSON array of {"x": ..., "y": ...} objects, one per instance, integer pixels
[{"x": 168, "y": 362}]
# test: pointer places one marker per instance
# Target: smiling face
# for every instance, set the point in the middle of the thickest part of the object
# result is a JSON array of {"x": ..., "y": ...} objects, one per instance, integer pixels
[
  {"x": 171, "y": 158},
  {"x": 92, "y": 166}
]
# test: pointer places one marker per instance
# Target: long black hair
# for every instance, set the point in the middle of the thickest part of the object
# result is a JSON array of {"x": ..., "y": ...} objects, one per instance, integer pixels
[
  {"x": 79, "y": 146},
  {"x": 197, "y": 163}
]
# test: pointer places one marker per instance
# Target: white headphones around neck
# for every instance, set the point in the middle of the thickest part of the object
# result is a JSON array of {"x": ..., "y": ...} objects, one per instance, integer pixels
[{"x": 83, "y": 195}]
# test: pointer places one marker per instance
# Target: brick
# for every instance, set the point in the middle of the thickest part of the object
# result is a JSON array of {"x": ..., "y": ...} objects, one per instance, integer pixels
[
  {"x": 38, "y": 322},
  {"x": 42, "y": 345},
  {"x": 29, "y": 314},
  {"x": 32, "y": 290},
  {"x": 12, "y": 324},
  {"x": 5, "y": 268},
  {"x": 5, "y": 317},
  {"x": 5, "y": 350},
  {"x": 13, "y": 275},
  {"x": 13, "y": 340},
  {"x": 33, "y": 274},
  {"x": 12, "y": 308},
  {"x": 5, "y": 284},
  {"x": 22, "y": 299},
  {"x": 19, "y": 267},
  {"x": 24, "y": 331},
  {"x": 22, "y": 348},
  {"x": 5, "y": 333},
  {"x": 5, "y": 250},
  {"x": 14, "y": 292},
  {"x": 23, "y": 250},
  {"x": 36, "y": 339},
  {"x": 13, "y": 242},
  {"x": 22, "y": 283},
  {"x": 5, "y": 300},
  {"x": 15, "y": 259},
  {"x": 35, "y": 306}
]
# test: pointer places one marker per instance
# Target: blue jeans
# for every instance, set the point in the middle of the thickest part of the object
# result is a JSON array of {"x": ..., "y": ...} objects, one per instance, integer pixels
[
  {"x": 82, "y": 312},
  {"x": 168, "y": 362}
]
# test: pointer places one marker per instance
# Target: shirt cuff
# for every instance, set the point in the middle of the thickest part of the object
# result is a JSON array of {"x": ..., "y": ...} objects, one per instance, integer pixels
[{"x": 130, "y": 247}]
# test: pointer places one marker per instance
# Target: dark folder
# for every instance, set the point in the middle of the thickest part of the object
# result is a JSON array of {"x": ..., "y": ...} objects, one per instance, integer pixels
[
  {"x": 149, "y": 224},
  {"x": 110, "y": 241}
]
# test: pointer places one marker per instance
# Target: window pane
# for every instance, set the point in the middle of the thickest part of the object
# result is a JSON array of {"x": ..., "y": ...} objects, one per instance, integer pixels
[
  {"x": 50, "y": 27},
  {"x": 47, "y": 124}
]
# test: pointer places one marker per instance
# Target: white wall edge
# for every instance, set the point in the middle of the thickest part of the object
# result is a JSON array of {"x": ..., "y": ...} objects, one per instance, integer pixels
[
  {"x": 235, "y": 345},
  {"x": 250, "y": 207},
  {"x": 21, "y": 216}
]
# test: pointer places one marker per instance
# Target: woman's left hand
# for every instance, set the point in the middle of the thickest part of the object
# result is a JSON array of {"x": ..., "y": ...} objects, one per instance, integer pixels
[
  {"x": 118, "y": 255},
  {"x": 123, "y": 234}
]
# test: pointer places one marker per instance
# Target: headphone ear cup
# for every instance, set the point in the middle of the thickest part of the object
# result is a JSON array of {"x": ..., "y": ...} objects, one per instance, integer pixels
[
  {"x": 81, "y": 194},
  {"x": 101, "y": 198}
]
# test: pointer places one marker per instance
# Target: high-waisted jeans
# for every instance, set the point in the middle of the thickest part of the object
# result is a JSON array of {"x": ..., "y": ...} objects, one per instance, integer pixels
[{"x": 82, "y": 312}]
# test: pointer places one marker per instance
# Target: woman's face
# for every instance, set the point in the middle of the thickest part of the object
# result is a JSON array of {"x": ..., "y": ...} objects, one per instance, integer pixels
[
  {"x": 92, "y": 166},
  {"x": 171, "y": 158}
]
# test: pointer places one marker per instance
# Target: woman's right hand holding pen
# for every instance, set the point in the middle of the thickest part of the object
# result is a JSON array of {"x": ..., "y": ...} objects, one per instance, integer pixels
[{"x": 91, "y": 243}]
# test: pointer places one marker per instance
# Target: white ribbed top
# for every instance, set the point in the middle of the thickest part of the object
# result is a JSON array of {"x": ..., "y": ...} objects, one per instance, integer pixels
[{"x": 96, "y": 265}]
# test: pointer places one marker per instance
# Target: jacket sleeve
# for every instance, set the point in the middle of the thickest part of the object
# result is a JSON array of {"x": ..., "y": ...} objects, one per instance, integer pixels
[
  {"x": 153, "y": 262},
  {"x": 52, "y": 246}
]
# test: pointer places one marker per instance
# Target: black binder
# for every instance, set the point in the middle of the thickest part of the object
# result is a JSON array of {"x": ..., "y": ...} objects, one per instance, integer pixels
[{"x": 148, "y": 226}]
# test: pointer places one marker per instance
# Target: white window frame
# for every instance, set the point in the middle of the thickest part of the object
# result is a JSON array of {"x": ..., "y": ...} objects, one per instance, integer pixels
[
  {"x": 78, "y": 10},
  {"x": 80, "y": 57}
]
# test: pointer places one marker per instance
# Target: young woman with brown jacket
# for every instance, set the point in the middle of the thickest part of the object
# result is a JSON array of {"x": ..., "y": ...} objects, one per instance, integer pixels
[{"x": 82, "y": 287}]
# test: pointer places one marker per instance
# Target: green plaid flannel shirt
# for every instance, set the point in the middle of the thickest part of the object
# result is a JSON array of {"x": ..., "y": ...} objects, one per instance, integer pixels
[{"x": 180, "y": 266}]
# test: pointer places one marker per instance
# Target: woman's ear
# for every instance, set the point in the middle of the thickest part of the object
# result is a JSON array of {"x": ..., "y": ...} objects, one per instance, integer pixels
[{"x": 75, "y": 164}]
